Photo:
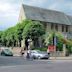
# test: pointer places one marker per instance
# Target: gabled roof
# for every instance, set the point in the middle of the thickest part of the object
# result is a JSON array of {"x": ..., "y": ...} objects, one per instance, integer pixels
[{"x": 46, "y": 15}]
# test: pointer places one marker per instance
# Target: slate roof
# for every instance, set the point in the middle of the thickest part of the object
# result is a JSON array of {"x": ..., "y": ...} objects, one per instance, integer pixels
[
  {"x": 46, "y": 15},
  {"x": 70, "y": 18}
]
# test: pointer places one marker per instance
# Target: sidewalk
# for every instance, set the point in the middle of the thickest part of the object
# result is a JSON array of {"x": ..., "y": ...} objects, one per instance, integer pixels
[{"x": 61, "y": 58}]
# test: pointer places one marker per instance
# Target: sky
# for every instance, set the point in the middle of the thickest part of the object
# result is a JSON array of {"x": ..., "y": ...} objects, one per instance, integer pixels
[{"x": 9, "y": 9}]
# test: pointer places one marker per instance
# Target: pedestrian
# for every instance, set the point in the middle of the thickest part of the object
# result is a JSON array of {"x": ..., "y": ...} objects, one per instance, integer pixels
[
  {"x": 28, "y": 54},
  {"x": 26, "y": 43},
  {"x": 27, "y": 47}
]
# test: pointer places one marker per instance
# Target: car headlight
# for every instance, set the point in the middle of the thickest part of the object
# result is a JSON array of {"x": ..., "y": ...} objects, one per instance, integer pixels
[{"x": 41, "y": 55}]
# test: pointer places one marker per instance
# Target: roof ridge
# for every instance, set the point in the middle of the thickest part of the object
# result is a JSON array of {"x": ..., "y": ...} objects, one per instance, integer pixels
[{"x": 42, "y": 8}]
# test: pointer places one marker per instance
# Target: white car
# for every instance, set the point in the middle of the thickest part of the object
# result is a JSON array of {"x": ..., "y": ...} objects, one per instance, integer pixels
[{"x": 36, "y": 54}]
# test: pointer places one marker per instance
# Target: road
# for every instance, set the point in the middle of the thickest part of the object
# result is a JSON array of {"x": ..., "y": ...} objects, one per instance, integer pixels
[{"x": 19, "y": 64}]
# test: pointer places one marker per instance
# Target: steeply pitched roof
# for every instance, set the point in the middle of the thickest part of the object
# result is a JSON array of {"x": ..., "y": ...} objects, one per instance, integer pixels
[
  {"x": 46, "y": 15},
  {"x": 70, "y": 18}
]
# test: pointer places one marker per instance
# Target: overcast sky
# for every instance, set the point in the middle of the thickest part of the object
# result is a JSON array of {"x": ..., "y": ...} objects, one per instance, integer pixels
[{"x": 9, "y": 9}]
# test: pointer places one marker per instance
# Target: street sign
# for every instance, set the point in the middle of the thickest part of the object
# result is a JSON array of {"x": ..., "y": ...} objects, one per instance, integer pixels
[{"x": 52, "y": 48}]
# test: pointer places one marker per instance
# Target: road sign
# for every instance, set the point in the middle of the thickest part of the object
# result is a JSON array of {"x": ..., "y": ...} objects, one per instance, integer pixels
[{"x": 51, "y": 48}]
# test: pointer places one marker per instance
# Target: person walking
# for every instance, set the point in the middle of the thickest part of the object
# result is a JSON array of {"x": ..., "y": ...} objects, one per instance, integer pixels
[
  {"x": 26, "y": 44},
  {"x": 27, "y": 47}
]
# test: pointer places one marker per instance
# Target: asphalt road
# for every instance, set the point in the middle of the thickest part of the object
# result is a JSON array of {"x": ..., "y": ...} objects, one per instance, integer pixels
[{"x": 19, "y": 64}]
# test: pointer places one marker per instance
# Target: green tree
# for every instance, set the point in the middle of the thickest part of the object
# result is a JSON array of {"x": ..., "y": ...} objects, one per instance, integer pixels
[
  {"x": 60, "y": 41},
  {"x": 19, "y": 30},
  {"x": 34, "y": 30},
  {"x": 11, "y": 36},
  {"x": 27, "y": 28},
  {"x": 3, "y": 38},
  {"x": 0, "y": 36}
]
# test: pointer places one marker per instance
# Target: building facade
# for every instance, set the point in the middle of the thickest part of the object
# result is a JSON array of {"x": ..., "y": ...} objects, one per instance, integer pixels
[{"x": 52, "y": 20}]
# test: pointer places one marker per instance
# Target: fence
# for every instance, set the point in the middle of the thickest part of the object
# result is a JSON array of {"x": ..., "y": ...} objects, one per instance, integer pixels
[{"x": 57, "y": 54}]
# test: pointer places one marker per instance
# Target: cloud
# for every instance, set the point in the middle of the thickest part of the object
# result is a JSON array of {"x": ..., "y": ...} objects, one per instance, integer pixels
[
  {"x": 69, "y": 5},
  {"x": 61, "y": 5},
  {"x": 6, "y": 22},
  {"x": 53, "y": 6},
  {"x": 9, "y": 13},
  {"x": 4, "y": 7},
  {"x": 9, "y": 9},
  {"x": 35, "y": 2}
]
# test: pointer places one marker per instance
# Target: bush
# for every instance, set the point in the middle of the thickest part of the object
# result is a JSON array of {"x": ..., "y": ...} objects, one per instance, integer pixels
[
  {"x": 41, "y": 49},
  {"x": 69, "y": 48}
]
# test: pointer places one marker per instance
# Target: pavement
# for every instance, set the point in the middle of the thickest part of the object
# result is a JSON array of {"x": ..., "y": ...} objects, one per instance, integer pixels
[{"x": 61, "y": 58}]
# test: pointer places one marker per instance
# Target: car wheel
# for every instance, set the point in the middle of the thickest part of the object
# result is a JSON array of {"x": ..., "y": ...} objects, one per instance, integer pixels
[
  {"x": 39, "y": 57},
  {"x": 34, "y": 57}
]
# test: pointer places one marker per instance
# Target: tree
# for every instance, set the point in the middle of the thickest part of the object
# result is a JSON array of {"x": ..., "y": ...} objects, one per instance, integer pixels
[
  {"x": 19, "y": 30},
  {"x": 3, "y": 38},
  {"x": 33, "y": 30},
  {"x": 27, "y": 28},
  {"x": 11, "y": 36},
  {"x": 60, "y": 41},
  {"x": 0, "y": 36}
]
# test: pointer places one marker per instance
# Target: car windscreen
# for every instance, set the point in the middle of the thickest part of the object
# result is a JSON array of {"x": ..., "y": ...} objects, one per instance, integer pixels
[
  {"x": 7, "y": 50},
  {"x": 41, "y": 52}
]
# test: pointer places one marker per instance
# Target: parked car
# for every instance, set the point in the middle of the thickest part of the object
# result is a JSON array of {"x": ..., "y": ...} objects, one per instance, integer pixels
[
  {"x": 36, "y": 54},
  {"x": 6, "y": 52}
]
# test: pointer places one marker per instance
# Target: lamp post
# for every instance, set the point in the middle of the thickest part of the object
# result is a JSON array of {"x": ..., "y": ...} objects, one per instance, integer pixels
[{"x": 54, "y": 43}]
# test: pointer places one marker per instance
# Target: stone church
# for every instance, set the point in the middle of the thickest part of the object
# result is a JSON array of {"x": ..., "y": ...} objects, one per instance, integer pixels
[{"x": 51, "y": 19}]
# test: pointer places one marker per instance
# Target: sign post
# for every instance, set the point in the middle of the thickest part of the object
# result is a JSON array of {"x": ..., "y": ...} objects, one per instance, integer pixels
[
  {"x": 52, "y": 48},
  {"x": 55, "y": 43}
]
